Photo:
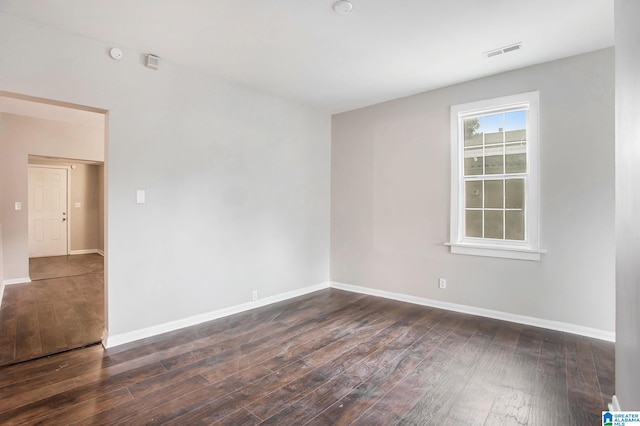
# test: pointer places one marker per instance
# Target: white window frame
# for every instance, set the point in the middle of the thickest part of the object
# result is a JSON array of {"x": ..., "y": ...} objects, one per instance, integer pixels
[{"x": 528, "y": 249}]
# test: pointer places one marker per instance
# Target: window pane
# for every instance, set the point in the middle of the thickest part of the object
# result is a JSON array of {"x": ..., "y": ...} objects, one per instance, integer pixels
[
  {"x": 492, "y": 138},
  {"x": 472, "y": 131},
  {"x": 493, "y": 224},
  {"x": 514, "y": 221},
  {"x": 494, "y": 160},
  {"x": 473, "y": 194},
  {"x": 493, "y": 129},
  {"x": 514, "y": 193},
  {"x": 515, "y": 135},
  {"x": 493, "y": 123},
  {"x": 516, "y": 158},
  {"x": 493, "y": 194},
  {"x": 473, "y": 223},
  {"x": 494, "y": 177},
  {"x": 473, "y": 161},
  {"x": 515, "y": 126}
]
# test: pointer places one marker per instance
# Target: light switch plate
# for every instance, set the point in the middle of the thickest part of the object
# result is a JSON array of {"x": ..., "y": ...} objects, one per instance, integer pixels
[
  {"x": 140, "y": 196},
  {"x": 18, "y": 205},
  {"x": 78, "y": 205}
]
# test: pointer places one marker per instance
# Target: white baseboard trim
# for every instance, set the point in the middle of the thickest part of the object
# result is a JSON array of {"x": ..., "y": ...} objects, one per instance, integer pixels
[
  {"x": 120, "y": 339},
  {"x": 1, "y": 292},
  {"x": 17, "y": 281},
  {"x": 83, "y": 251},
  {"x": 615, "y": 404},
  {"x": 505, "y": 316},
  {"x": 100, "y": 252}
]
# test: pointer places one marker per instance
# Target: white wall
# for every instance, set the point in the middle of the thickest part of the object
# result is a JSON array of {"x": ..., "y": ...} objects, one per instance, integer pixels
[
  {"x": 390, "y": 198},
  {"x": 237, "y": 182},
  {"x": 627, "y": 204},
  {"x": 21, "y": 136}
]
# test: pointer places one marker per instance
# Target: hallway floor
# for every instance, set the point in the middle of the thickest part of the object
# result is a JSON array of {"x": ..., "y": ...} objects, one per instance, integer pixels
[
  {"x": 41, "y": 268},
  {"x": 62, "y": 308}
]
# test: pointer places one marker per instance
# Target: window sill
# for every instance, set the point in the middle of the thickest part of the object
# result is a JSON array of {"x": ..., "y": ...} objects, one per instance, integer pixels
[{"x": 505, "y": 252}]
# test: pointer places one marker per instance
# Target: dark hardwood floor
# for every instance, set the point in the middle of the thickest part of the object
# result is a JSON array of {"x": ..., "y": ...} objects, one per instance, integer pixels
[
  {"x": 42, "y": 268},
  {"x": 328, "y": 358},
  {"x": 55, "y": 314}
]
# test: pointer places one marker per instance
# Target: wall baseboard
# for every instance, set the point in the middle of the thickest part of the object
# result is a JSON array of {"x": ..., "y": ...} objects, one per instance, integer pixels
[
  {"x": 17, "y": 281},
  {"x": 84, "y": 251},
  {"x": 615, "y": 404},
  {"x": 504, "y": 316},
  {"x": 100, "y": 252},
  {"x": 120, "y": 339}
]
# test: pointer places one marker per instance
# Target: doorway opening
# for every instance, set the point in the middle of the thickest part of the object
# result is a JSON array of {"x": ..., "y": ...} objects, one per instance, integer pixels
[{"x": 54, "y": 281}]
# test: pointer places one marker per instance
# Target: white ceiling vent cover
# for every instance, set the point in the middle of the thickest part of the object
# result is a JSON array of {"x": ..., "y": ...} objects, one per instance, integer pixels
[
  {"x": 506, "y": 49},
  {"x": 152, "y": 61}
]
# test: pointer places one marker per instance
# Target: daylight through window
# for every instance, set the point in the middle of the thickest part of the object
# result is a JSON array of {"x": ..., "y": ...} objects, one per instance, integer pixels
[
  {"x": 495, "y": 175},
  {"x": 494, "y": 181}
]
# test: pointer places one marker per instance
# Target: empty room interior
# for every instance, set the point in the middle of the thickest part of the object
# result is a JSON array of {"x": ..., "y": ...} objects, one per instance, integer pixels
[{"x": 327, "y": 212}]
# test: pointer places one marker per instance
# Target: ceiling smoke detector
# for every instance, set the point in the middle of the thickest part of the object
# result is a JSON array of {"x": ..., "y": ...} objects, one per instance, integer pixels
[
  {"x": 506, "y": 49},
  {"x": 115, "y": 53},
  {"x": 342, "y": 7}
]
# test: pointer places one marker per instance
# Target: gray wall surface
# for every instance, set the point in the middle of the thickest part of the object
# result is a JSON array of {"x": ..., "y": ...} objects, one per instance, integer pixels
[
  {"x": 1, "y": 264},
  {"x": 84, "y": 220},
  {"x": 237, "y": 181},
  {"x": 627, "y": 204},
  {"x": 101, "y": 208},
  {"x": 390, "y": 198}
]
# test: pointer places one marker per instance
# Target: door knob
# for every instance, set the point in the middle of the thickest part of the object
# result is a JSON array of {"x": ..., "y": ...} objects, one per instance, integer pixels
[{"x": 64, "y": 219}]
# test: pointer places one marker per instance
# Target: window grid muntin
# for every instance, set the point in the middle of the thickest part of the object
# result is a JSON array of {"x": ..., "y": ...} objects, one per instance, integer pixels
[
  {"x": 488, "y": 177},
  {"x": 503, "y": 209}
]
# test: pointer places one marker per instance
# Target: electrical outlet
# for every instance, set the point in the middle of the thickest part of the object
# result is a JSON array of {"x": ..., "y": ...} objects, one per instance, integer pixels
[
  {"x": 254, "y": 295},
  {"x": 442, "y": 283}
]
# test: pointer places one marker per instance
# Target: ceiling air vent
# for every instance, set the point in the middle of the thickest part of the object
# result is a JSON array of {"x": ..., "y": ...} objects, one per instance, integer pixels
[
  {"x": 506, "y": 49},
  {"x": 152, "y": 61}
]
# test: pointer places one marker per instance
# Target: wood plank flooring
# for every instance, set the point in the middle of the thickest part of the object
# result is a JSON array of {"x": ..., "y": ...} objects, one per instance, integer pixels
[
  {"x": 329, "y": 358},
  {"x": 42, "y": 268},
  {"x": 53, "y": 315}
]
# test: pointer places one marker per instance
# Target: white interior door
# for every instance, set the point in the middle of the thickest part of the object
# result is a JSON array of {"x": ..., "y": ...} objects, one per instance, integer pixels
[{"x": 47, "y": 211}]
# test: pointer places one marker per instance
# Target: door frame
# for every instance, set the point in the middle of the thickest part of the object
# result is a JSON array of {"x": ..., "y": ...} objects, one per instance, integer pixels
[
  {"x": 105, "y": 186},
  {"x": 68, "y": 196}
]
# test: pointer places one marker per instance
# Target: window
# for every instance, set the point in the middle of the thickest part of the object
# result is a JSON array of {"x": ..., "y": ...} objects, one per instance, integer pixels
[{"x": 494, "y": 182}]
